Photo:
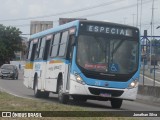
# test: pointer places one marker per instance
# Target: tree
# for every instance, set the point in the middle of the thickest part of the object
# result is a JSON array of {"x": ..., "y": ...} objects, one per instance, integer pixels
[{"x": 10, "y": 42}]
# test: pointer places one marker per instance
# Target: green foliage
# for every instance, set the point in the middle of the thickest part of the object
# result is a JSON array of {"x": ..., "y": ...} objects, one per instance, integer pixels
[{"x": 10, "y": 42}]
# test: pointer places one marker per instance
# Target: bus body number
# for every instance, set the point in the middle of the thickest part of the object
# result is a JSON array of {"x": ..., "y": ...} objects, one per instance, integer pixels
[{"x": 97, "y": 83}]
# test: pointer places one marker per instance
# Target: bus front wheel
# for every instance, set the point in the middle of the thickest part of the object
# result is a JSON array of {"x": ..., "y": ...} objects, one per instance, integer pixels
[
  {"x": 61, "y": 96},
  {"x": 116, "y": 103}
]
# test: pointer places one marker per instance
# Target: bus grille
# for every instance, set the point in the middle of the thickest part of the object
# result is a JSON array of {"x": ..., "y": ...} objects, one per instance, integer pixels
[
  {"x": 121, "y": 78},
  {"x": 114, "y": 93}
]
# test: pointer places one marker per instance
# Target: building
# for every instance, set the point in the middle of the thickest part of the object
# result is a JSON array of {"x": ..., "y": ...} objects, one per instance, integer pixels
[
  {"x": 66, "y": 20},
  {"x": 38, "y": 26}
]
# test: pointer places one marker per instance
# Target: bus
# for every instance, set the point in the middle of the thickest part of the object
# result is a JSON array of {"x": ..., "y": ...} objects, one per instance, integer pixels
[{"x": 84, "y": 60}]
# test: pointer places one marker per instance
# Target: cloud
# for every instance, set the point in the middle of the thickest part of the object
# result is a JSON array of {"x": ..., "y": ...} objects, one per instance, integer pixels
[
  {"x": 12, "y": 7},
  {"x": 69, "y": 2},
  {"x": 35, "y": 10}
]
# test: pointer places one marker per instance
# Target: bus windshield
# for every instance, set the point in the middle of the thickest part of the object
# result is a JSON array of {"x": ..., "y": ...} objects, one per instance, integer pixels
[{"x": 107, "y": 54}]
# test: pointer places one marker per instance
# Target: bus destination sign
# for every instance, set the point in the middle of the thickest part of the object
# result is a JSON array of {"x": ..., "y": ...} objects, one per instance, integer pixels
[{"x": 109, "y": 30}]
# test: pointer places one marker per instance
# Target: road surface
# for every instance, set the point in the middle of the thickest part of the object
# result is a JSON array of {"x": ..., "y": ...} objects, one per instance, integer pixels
[
  {"x": 17, "y": 88},
  {"x": 148, "y": 81}
]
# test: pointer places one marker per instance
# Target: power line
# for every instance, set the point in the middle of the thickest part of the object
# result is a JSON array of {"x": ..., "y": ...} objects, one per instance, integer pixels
[
  {"x": 67, "y": 12},
  {"x": 137, "y": 13},
  {"x": 141, "y": 16},
  {"x": 114, "y": 10},
  {"x": 103, "y": 12}
]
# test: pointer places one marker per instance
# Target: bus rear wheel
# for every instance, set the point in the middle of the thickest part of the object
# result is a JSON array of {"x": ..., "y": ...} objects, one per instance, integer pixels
[
  {"x": 38, "y": 93},
  {"x": 116, "y": 103},
  {"x": 61, "y": 96}
]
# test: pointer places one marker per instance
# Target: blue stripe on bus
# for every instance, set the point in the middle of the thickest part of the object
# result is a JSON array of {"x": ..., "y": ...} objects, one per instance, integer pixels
[
  {"x": 92, "y": 82},
  {"x": 110, "y": 84},
  {"x": 56, "y": 29}
]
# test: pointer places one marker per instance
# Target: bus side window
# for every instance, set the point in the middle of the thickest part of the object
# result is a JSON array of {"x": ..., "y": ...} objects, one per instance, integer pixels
[
  {"x": 38, "y": 48},
  {"x": 46, "y": 49},
  {"x": 51, "y": 47},
  {"x": 41, "y": 49},
  {"x": 33, "y": 52},
  {"x": 29, "y": 50},
  {"x": 62, "y": 48},
  {"x": 55, "y": 45}
]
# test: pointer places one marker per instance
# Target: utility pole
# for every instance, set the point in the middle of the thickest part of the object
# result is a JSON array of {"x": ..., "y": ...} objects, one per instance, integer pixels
[
  {"x": 124, "y": 20},
  {"x": 152, "y": 33},
  {"x": 133, "y": 18},
  {"x": 141, "y": 16},
  {"x": 151, "y": 30},
  {"x": 137, "y": 13}
]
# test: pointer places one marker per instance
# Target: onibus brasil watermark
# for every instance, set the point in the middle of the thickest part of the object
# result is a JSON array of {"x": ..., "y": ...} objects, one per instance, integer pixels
[
  {"x": 21, "y": 114},
  {"x": 141, "y": 114}
]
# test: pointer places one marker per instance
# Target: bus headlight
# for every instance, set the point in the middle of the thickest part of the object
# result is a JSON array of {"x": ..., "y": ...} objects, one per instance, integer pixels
[
  {"x": 133, "y": 84},
  {"x": 79, "y": 79}
]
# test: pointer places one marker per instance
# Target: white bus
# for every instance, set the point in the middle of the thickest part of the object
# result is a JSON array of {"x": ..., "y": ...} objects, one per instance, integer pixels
[{"x": 85, "y": 60}]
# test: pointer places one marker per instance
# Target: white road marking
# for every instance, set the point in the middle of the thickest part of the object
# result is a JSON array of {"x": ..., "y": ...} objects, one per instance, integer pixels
[
  {"x": 2, "y": 89},
  {"x": 150, "y": 79}
]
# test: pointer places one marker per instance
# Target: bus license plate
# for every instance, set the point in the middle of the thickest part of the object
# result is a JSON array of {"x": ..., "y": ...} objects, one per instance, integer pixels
[{"x": 105, "y": 95}]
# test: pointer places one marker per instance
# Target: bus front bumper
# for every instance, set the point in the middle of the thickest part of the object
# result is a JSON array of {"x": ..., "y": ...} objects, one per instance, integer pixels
[{"x": 83, "y": 89}]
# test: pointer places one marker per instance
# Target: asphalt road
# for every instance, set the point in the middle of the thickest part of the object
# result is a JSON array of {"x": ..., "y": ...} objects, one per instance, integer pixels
[{"x": 17, "y": 88}]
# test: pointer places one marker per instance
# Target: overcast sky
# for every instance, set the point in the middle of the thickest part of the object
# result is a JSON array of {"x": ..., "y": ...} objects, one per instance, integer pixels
[{"x": 18, "y": 12}]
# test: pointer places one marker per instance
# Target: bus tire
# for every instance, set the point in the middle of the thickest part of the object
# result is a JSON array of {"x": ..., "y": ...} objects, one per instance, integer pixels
[
  {"x": 37, "y": 93},
  {"x": 116, "y": 103},
  {"x": 61, "y": 96},
  {"x": 45, "y": 94}
]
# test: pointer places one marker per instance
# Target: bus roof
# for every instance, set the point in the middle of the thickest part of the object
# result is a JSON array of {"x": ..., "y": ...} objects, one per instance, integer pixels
[
  {"x": 55, "y": 29},
  {"x": 74, "y": 23}
]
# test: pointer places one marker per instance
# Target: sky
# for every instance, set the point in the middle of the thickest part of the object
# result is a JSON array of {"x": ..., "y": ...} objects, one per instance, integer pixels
[{"x": 19, "y": 13}]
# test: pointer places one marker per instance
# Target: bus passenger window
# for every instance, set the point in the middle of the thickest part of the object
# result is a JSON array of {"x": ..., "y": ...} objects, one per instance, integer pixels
[
  {"x": 38, "y": 48},
  {"x": 64, "y": 39},
  {"x": 33, "y": 52},
  {"x": 30, "y": 49},
  {"x": 46, "y": 49},
  {"x": 52, "y": 41},
  {"x": 41, "y": 48},
  {"x": 55, "y": 45}
]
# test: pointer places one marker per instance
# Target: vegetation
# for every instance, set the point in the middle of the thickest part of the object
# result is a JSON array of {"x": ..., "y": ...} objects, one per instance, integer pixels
[
  {"x": 12, "y": 103},
  {"x": 10, "y": 42}
]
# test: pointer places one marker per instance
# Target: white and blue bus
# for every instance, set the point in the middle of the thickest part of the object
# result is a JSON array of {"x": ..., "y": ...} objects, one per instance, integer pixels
[{"x": 85, "y": 60}]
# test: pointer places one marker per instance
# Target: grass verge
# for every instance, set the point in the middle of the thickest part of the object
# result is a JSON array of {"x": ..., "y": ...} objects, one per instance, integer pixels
[{"x": 12, "y": 103}]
